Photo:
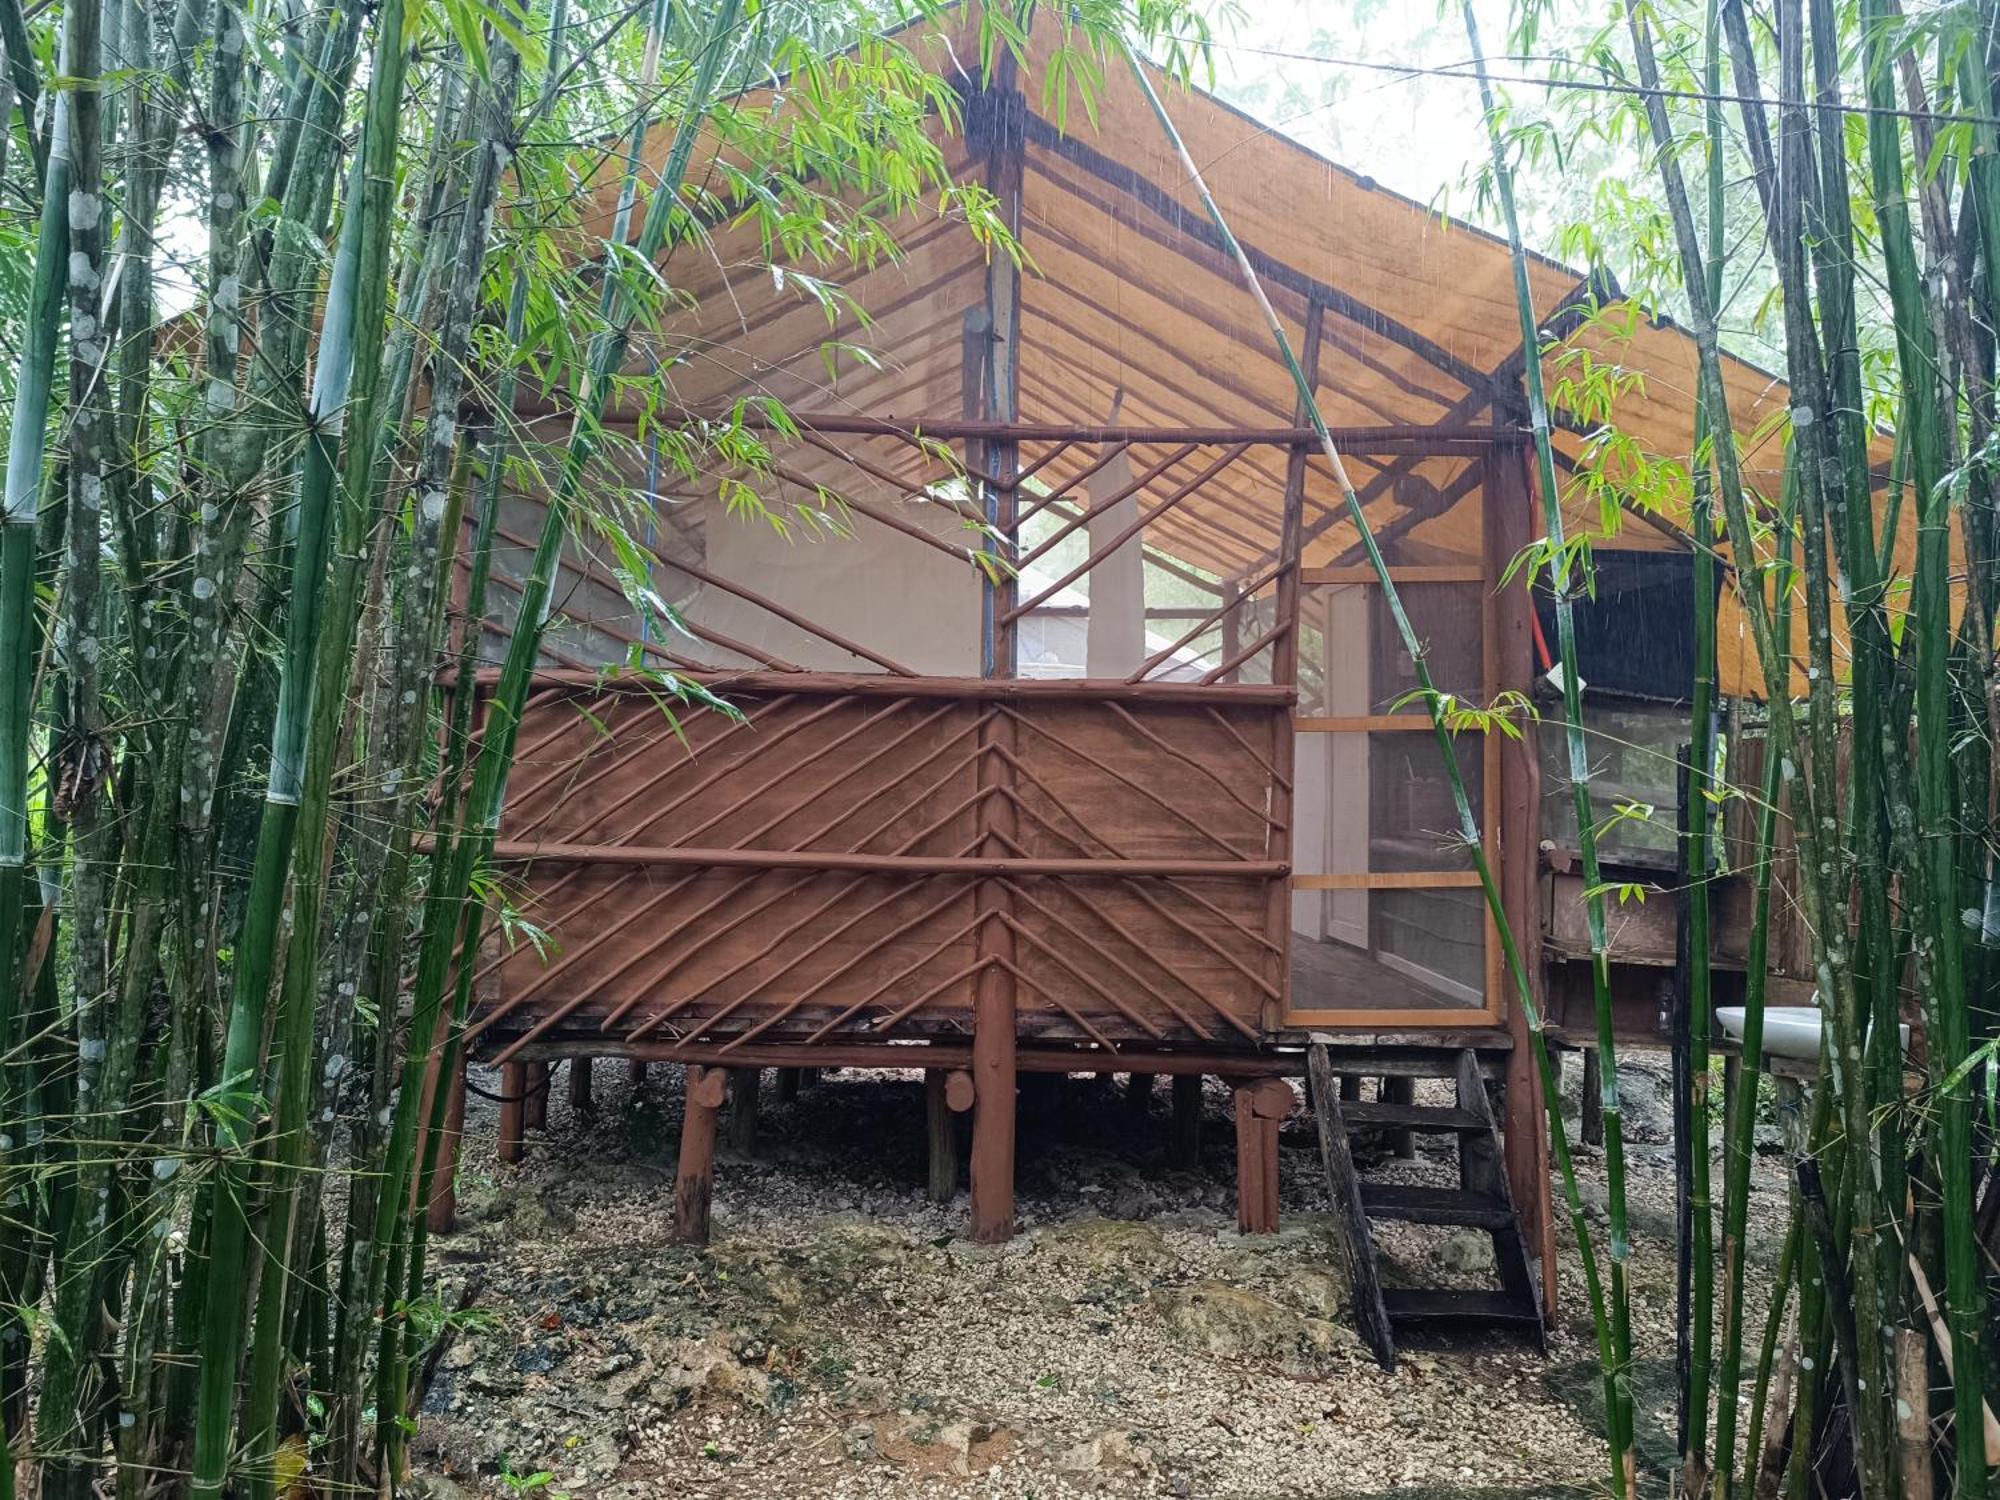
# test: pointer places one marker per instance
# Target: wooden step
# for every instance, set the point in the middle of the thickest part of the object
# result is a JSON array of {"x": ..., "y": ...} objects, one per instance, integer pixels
[
  {"x": 1402, "y": 1059},
  {"x": 1431, "y": 1205},
  {"x": 1430, "y": 1118},
  {"x": 1438, "y": 1305}
]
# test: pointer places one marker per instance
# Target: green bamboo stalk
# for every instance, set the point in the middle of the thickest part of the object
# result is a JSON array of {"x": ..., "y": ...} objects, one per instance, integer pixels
[
  {"x": 347, "y": 368},
  {"x": 1618, "y": 1373},
  {"x": 1937, "y": 812},
  {"x": 1697, "y": 1465},
  {"x": 88, "y": 1250},
  {"x": 1825, "y": 910},
  {"x": 377, "y": 405},
  {"x": 448, "y": 905},
  {"x": 1743, "y": 1123},
  {"x": 1435, "y": 704},
  {"x": 25, "y": 473}
]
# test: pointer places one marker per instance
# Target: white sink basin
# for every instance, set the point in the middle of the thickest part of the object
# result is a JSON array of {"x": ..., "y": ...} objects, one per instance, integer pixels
[{"x": 1789, "y": 1030}]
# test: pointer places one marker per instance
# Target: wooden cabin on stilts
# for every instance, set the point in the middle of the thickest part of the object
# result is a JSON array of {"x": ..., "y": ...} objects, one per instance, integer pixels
[{"x": 1071, "y": 733}]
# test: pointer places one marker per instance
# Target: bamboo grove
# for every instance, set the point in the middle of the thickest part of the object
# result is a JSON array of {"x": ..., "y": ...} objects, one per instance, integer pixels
[
  {"x": 1823, "y": 178},
  {"x": 274, "y": 277},
  {"x": 272, "y": 280}
]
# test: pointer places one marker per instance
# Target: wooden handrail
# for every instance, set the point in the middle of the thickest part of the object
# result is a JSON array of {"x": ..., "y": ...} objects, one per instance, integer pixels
[
  {"x": 883, "y": 864},
  {"x": 971, "y": 689}
]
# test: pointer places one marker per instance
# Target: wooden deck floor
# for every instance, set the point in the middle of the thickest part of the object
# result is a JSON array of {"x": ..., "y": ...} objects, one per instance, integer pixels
[{"x": 1334, "y": 976}]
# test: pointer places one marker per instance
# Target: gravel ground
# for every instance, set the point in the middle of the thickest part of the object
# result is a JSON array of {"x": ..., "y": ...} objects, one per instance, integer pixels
[{"x": 840, "y": 1337}]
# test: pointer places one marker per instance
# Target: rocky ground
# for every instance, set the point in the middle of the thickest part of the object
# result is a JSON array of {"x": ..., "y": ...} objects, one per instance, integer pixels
[{"x": 840, "y": 1337}]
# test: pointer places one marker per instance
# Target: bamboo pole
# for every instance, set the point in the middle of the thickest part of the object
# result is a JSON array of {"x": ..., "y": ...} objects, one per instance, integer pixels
[{"x": 1434, "y": 703}]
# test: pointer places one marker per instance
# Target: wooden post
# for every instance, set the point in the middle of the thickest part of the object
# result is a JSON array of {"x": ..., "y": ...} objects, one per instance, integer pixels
[
  {"x": 1186, "y": 1152},
  {"x": 1139, "y": 1097},
  {"x": 1285, "y": 671},
  {"x": 1261, "y": 1108},
  {"x": 1508, "y": 521},
  {"x": 809, "y": 1077},
  {"x": 1591, "y": 1126},
  {"x": 1350, "y": 1088},
  {"x": 996, "y": 127},
  {"x": 635, "y": 1074},
  {"x": 941, "y": 1133},
  {"x": 444, "y": 1180},
  {"x": 1400, "y": 1091},
  {"x": 579, "y": 1085},
  {"x": 788, "y": 1085},
  {"x": 744, "y": 1101},
  {"x": 535, "y": 1108},
  {"x": 511, "y": 1145},
  {"x": 694, "y": 1180}
]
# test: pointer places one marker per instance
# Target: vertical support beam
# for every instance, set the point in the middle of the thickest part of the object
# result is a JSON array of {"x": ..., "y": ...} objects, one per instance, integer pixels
[
  {"x": 512, "y": 1144},
  {"x": 635, "y": 1074},
  {"x": 1262, "y": 1106},
  {"x": 788, "y": 1085},
  {"x": 694, "y": 1179},
  {"x": 1285, "y": 670},
  {"x": 1139, "y": 1098},
  {"x": 1591, "y": 1126},
  {"x": 579, "y": 1085},
  {"x": 1400, "y": 1091},
  {"x": 745, "y": 1101},
  {"x": 941, "y": 1134},
  {"x": 535, "y": 1108},
  {"x": 996, "y": 121},
  {"x": 1186, "y": 1152},
  {"x": 1509, "y": 526},
  {"x": 444, "y": 1179}
]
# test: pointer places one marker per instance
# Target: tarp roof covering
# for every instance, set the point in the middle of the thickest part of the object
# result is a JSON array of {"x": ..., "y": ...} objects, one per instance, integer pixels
[{"x": 1131, "y": 312}]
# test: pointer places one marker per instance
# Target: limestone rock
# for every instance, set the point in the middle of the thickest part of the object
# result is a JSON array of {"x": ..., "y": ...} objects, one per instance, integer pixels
[
  {"x": 1111, "y": 1451},
  {"x": 1231, "y": 1323},
  {"x": 1468, "y": 1252},
  {"x": 1109, "y": 1247}
]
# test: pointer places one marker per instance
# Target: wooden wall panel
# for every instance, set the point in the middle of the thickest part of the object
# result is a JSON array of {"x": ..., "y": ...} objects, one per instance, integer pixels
[{"x": 647, "y": 942}]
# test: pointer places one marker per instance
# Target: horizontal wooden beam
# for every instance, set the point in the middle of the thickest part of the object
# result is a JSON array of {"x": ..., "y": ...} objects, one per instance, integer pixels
[
  {"x": 1446, "y": 440},
  {"x": 1420, "y": 573},
  {"x": 1358, "y": 1056},
  {"x": 883, "y": 864},
  {"x": 969, "y": 689},
  {"x": 1388, "y": 880},
  {"x": 1363, "y": 724}
]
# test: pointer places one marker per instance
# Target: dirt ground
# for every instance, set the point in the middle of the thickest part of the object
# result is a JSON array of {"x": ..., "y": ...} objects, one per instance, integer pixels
[{"x": 841, "y": 1338}]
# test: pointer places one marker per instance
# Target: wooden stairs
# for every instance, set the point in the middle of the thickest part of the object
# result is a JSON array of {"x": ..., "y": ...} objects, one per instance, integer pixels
[{"x": 1480, "y": 1201}]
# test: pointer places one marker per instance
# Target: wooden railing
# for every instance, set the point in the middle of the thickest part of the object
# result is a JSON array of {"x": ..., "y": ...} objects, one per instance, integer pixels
[{"x": 836, "y": 863}]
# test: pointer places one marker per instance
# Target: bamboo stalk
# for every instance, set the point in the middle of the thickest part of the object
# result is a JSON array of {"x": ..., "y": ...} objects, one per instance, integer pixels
[
  {"x": 1615, "y": 1331},
  {"x": 1469, "y": 829}
]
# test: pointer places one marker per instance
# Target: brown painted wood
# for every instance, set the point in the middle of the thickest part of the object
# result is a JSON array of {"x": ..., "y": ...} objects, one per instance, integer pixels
[
  {"x": 444, "y": 1179},
  {"x": 1260, "y": 1113},
  {"x": 511, "y": 1145},
  {"x": 1510, "y": 526},
  {"x": 941, "y": 1135},
  {"x": 965, "y": 689},
  {"x": 580, "y": 1098},
  {"x": 879, "y": 864},
  {"x": 1343, "y": 1188},
  {"x": 694, "y": 1178},
  {"x": 959, "y": 1092}
]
